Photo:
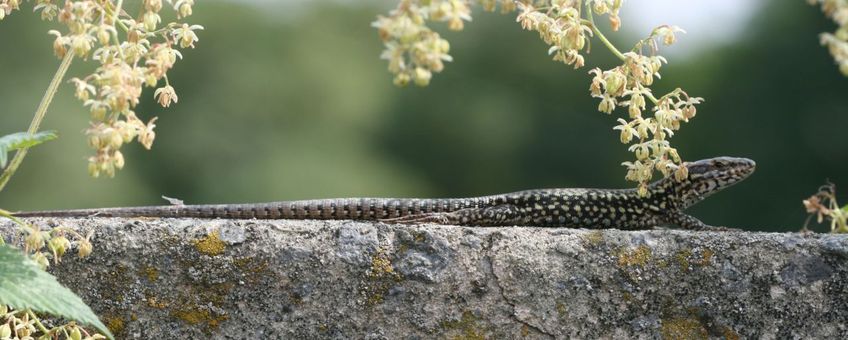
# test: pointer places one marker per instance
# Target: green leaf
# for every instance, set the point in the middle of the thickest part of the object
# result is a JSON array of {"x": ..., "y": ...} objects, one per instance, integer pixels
[
  {"x": 22, "y": 140},
  {"x": 24, "y": 285}
]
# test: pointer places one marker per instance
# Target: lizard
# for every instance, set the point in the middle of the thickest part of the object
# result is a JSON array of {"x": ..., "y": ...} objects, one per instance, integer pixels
[{"x": 626, "y": 209}]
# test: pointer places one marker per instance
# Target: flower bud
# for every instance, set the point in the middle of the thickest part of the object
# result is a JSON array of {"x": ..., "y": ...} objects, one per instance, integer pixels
[
  {"x": 35, "y": 239},
  {"x": 422, "y": 76},
  {"x": 85, "y": 248},
  {"x": 115, "y": 140},
  {"x": 607, "y": 104},
  {"x": 681, "y": 173},
  {"x": 119, "y": 160},
  {"x": 401, "y": 79},
  {"x": 151, "y": 19},
  {"x": 75, "y": 334},
  {"x": 153, "y": 5},
  {"x": 634, "y": 110},
  {"x": 643, "y": 190},
  {"x": 58, "y": 245},
  {"x": 93, "y": 169},
  {"x": 615, "y": 82},
  {"x": 41, "y": 260},
  {"x": 689, "y": 112},
  {"x": 600, "y": 7},
  {"x": 455, "y": 24},
  {"x": 626, "y": 136},
  {"x": 185, "y": 9},
  {"x": 615, "y": 22},
  {"x": 674, "y": 155},
  {"x": 5, "y": 331},
  {"x": 94, "y": 141},
  {"x": 81, "y": 45},
  {"x": 641, "y": 152}
]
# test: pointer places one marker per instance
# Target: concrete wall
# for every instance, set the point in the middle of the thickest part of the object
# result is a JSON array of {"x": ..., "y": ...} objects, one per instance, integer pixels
[{"x": 187, "y": 278}]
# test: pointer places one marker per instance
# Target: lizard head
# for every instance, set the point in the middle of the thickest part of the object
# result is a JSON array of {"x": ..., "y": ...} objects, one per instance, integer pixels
[{"x": 709, "y": 176}]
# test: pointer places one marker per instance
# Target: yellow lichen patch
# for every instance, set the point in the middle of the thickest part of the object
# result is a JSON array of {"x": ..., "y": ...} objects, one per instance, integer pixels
[
  {"x": 636, "y": 257},
  {"x": 706, "y": 258},
  {"x": 202, "y": 305},
  {"x": 467, "y": 327},
  {"x": 115, "y": 324},
  {"x": 153, "y": 302},
  {"x": 561, "y": 309},
  {"x": 211, "y": 244},
  {"x": 682, "y": 328},
  {"x": 151, "y": 273},
  {"x": 729, "y": 334},
  {"x": 420, "y": 237},
  {"x": 682, "y": 258},
  {"x": 255, "y": 269},
  {"x": 195, "y": 315},
  {"x": 594, "y": 238},
  {"x": 381, "y": 277}
]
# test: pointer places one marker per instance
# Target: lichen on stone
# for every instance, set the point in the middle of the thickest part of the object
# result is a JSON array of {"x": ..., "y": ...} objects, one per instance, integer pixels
[{"x": 211, "y": 244}]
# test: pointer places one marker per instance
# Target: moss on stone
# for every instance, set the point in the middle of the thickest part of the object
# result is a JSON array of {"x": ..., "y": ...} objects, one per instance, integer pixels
[
  {"x": 682, "y": 258},
  {"x": 683, "y": 328},
  {"x": 151, "y": 273},
  {"x": 594, "y": 238},
  {"x": 381, "y": 277},
  {"x": 636, "y": 257},
  {"x": 115, "y": 324},
  {"x": 467, "y": 327}
]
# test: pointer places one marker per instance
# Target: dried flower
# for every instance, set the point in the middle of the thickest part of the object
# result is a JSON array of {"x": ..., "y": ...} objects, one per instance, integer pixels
[{"x": 166, "y": 95}]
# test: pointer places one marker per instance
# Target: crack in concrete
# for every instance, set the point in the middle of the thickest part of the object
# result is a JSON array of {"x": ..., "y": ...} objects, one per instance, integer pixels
[{"x": 502, "y": 292}]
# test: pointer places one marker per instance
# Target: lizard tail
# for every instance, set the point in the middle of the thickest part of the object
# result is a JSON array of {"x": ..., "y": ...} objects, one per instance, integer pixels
[{"x": 341, "y": 208}]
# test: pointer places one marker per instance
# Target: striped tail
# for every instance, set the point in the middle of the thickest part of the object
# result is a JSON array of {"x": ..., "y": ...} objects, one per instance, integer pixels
[{"x": 337, "y": 209}]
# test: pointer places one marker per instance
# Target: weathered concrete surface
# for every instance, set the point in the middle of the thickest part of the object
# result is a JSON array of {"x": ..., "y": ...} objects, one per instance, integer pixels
[{"x": 186, "y": 278}]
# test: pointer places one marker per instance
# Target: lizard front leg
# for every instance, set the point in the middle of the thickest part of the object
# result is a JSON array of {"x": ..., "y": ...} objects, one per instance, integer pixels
[{"x": 689, "y": 222}]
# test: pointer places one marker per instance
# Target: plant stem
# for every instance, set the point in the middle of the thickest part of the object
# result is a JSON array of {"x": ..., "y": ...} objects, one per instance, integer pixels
[
  {"x": 601, "y": 36},
  {"x": 37, "y": 322},
  {"x": 39, "y": 116}
]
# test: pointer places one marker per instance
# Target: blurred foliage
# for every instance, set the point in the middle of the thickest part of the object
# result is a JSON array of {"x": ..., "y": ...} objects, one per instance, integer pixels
[{"x": 279, "y": 105}]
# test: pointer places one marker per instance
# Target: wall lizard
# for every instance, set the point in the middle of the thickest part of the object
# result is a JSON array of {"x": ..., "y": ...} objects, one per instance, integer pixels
[{"x": 570, "y": 208}]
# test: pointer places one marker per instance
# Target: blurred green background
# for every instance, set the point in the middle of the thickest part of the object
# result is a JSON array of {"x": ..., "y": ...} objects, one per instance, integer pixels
[{"x": 287, "y": 101}]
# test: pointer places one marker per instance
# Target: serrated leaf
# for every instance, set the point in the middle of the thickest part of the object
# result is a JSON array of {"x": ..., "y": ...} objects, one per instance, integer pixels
[
  {"x": 24, "y": 285},
  {"x": 22, "y": 140}
]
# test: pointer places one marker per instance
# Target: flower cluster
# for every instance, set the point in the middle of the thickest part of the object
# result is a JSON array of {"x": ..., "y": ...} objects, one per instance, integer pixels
[
  {"x": 561, "y": 27},
  {"x": 132, "y": 53},
  {"x": 23, "y": 324},
  {"x": 414, "y": 52},
  {"x": 837, "y": 42},
  {"x": 824, "y": 206},
  {"x": 627, "y": 85}
]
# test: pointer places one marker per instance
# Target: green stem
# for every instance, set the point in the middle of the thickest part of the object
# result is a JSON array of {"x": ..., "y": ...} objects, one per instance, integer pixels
[
  {"x": 39, "y": 116},
  {"x": 6, "y": 214},
  {"x": 652, "y": 98},
  {"x": 37, "y": 322},
  {"x": 601, "y": 36}
]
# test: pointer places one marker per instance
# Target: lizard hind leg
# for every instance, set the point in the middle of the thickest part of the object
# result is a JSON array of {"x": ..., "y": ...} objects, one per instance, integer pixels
[{"x": 504, "y": 214}]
